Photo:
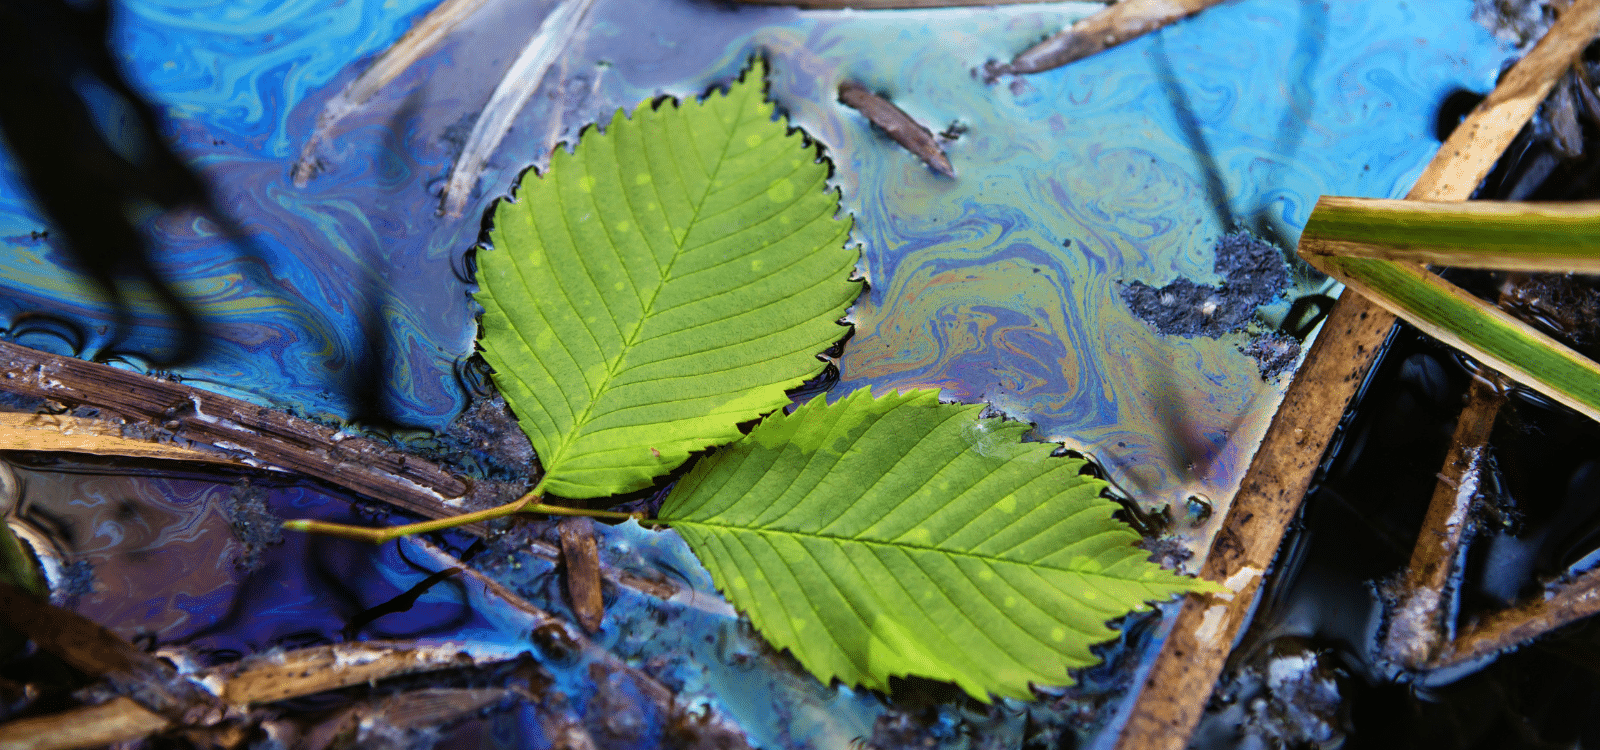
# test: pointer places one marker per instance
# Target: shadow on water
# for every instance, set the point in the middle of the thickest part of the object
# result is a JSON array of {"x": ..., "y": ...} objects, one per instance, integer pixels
[
  {"x": 57, "y": 65},
  {"x": 91, "y": 152}
]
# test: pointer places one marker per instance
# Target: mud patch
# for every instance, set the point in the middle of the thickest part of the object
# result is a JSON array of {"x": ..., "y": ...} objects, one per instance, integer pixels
[
  {"x": 1253, "y": 274},
  {"x": 253, "y": 523},
  {"x": 1275, "y": 353}
]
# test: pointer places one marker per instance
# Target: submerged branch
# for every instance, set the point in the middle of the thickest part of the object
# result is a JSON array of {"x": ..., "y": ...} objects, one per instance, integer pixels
[
  {"x": 1417, "y": 624},
  {"x": 1508, "y": 628}
]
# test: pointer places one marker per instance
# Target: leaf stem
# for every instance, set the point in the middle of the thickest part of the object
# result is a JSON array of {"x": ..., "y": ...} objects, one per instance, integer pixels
[{"x": 526, "y": 504}]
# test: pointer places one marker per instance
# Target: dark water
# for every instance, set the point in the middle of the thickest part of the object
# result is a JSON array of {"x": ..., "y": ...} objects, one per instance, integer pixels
[{"x": 1535, "y": 523}]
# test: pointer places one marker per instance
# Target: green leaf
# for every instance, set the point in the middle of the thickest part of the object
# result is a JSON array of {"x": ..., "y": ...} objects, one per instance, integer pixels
[
  {"x": 901, "y": 536},
  {"x": 1558, "y": 237},
  {"x": 669, "y": 279}
]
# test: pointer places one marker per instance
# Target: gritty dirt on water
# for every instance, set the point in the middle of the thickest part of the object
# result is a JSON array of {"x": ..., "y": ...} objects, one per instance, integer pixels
[{"x": 1253, "y": 274}]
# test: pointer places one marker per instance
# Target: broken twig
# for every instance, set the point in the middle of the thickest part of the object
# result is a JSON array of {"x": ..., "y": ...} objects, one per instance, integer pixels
[
  {"x": 166, "y": 412},
  {"x": 899, "y": 125},
  {"x": 1179, "y": 684},
  {"x": 260, "y": 679},
  {"x": 60, "y": 433},
  {"x": 268, "y": 678},
  {"x": 117, "y": 720},
  {"x": 177, "y": 421},
  {"x": 1506, "y": 629},
  {"x": 1122, "y": 22},
  {"x": 96, "y": 652}
]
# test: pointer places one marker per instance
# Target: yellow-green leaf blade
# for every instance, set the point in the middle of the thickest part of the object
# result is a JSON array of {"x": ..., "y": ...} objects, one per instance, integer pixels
[
  {"x": 872, "y": 539},
  {"x": 1448, "y": 313},
  {"x": 1559, "y": 237},
  {"x": 667, "y": 280}
]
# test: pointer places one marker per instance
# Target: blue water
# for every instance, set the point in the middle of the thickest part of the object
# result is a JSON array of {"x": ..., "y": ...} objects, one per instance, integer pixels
[{"x": 1001, "y": 285}]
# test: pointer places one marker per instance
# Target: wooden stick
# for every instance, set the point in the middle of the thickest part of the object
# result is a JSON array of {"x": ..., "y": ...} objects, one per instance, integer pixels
[
  {"x": 421, "y": 39},
  {"x": 117, "y": 720},
  {"x": 1416, "y": 625},
  {"x": 522, "y": 79},
  {"x": 98, "y": 653},
  {"x": 251, "y": 435},
  {"x": 1508, "y": 628},
  {"x": 307, "y": 671},
  {"x": 260, "y": 679},
  {"x": 163, "y": 411},
  {"x": 1122, "y": 22},
  {"x": 60, "y": 433},
  {"x": 1178, "y": 685},
  {"x": 582, "y": 558}
]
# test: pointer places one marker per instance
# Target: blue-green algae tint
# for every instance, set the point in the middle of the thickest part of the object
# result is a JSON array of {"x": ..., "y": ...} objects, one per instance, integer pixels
[{"x": 1001, "y": 285}]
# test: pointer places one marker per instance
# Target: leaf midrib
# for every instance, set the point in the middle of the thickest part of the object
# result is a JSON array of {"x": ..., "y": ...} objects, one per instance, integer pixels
[
  {"x": 647, "y": 310},
  {"x": 897, "y": 545}
]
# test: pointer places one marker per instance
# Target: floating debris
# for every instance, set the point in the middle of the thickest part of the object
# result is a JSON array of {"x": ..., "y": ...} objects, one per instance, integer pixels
[
  {"x": 166, "y": 412},
  {"x": 582, "y": 558},
  {"x": 1253, "y": 274},
  {"x": 898, "y": 125},
  {"x": 1122, "y": 22}
]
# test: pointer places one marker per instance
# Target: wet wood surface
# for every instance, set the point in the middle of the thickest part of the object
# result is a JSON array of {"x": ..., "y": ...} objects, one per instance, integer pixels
[
  {"x": 117, "y": 720},
  {"x": 1560, "y": 604},
  {"x": 909, "y": 133},
  {"x": 164, "y": 412},
  {"x": 61, "y": 433},
  {"x": 1416, "y": 625},
  {"x": 581, "y": 557}
]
